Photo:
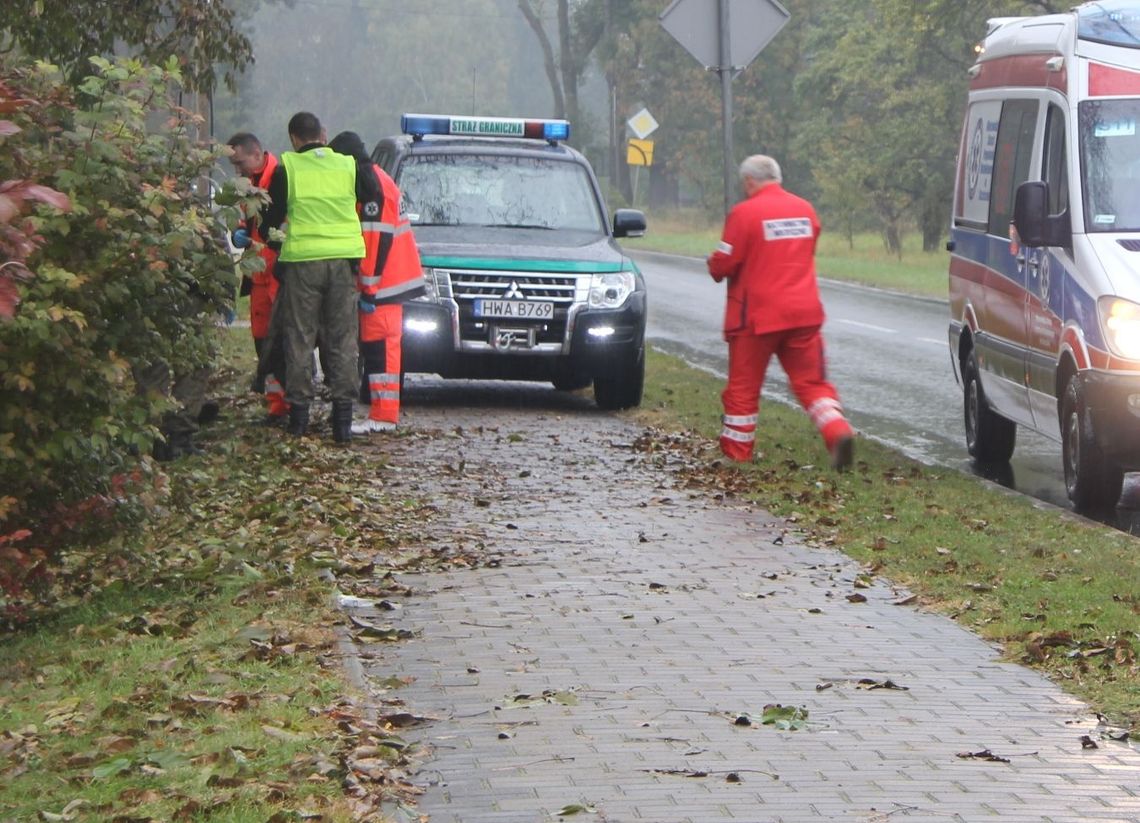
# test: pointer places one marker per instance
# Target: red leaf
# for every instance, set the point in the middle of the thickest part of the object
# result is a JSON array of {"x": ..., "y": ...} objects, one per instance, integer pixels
[
  {"x": 8, "y": 128},
  {"x": 49, "y": 196},
  {"x": 9, "y": 298}
]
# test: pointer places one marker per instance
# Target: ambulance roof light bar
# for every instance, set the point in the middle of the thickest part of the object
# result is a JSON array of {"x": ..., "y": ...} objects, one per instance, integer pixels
[{"x": 417, "y": 125}]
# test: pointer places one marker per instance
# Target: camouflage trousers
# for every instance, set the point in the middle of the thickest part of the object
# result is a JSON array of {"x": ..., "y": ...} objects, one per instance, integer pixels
[
  {"x": 187, "y": 389},
  {"x": 318, "y": 297}
]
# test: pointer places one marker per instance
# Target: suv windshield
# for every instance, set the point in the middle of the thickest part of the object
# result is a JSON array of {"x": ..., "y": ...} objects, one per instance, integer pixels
[
  {"x": 1110, "y": 164},
  {"x": 498, "y": 190}
]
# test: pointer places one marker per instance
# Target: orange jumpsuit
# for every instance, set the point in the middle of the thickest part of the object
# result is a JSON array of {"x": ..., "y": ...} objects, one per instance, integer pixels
[
  {"x": 262, "y": 294},
  {"x": 390, "y": 273},
  {"x": 767, "y": 254}
]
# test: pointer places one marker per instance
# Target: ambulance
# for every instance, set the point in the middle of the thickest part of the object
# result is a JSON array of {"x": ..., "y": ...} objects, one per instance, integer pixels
[{"x": 1044, "y": 279}]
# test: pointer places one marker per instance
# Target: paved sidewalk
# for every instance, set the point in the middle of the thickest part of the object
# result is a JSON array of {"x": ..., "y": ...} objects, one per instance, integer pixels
[{"x": 605, "y": 659}]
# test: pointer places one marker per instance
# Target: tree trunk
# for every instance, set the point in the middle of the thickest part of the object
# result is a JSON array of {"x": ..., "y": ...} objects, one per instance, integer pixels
[
  {"x": 568, "y": 64},
  {"x": 547, "y": 58}
]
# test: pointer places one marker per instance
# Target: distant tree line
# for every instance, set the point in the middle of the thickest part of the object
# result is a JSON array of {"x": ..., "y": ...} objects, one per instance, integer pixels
[{"x": 860, "y": 102}]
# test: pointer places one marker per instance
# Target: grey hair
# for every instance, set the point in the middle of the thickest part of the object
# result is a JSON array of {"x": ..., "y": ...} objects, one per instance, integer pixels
[{"x": 761, "y": 168}]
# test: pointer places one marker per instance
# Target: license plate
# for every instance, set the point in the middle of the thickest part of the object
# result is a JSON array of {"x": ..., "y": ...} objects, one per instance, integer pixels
[{"x": 520, "y": 309}]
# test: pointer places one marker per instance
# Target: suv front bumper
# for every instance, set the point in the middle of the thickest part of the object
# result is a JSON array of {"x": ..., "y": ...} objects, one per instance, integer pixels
[{"x": 596, "y": 342}]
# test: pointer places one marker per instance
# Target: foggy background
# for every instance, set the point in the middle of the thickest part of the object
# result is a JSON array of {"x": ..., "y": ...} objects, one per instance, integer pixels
[{"x": 360, "y": 64}]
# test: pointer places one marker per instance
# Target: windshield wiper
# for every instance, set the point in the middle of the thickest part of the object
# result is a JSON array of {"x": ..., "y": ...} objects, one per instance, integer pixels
[{"x": 516, "y": 226}]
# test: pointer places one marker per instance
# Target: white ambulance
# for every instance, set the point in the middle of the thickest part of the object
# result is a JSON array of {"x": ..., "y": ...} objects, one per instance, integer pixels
[{"x": 1045, "y": 242}]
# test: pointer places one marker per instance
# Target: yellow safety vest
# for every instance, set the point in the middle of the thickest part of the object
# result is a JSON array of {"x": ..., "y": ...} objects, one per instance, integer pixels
[{"x": 321, "y": 207}]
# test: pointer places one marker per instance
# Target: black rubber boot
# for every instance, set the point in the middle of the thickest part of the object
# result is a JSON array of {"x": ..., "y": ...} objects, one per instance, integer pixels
[
  {"x": 176, "y": 445},
  {"x": 298, "y": 419},
  {"x": 342, "y": 421},
  {"x": 209, "y": 412}
]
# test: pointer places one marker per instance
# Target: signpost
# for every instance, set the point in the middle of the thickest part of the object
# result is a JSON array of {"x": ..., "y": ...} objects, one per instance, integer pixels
[
  {"x": 725, "y": 37},
  {"x": 639, "y": 151}
]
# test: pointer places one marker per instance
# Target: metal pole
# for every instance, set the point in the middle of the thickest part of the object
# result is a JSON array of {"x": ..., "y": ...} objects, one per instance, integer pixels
[{"x": 726, "y": 107}]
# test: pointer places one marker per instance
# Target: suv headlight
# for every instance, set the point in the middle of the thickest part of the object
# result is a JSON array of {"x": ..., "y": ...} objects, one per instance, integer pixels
[
  {"x": 608, "y": 291},
  {"x": 431, "y": 288},
  {"x": 1120, "y": 320}
]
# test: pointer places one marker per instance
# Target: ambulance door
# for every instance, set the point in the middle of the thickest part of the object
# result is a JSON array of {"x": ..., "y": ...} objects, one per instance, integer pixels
[
  {"x": 1045, "y": 268},
  {"x": 1001, "y": 340}
]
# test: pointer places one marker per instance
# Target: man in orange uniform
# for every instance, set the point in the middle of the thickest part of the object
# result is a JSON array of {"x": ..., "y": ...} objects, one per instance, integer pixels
[
  {"x": 390, "y": 273},
  {"x": 250, "y": 160},
  {"x": 767, "y": 253}
]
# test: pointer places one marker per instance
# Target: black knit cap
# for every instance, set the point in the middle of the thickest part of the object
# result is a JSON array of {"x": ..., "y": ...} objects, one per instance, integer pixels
[{"x": 349, "y": 142}]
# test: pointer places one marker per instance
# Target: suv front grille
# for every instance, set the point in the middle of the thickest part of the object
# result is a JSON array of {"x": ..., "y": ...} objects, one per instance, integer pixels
[
  {"x": 563, "y": 290},
  {"x": 557, "y": 289}
]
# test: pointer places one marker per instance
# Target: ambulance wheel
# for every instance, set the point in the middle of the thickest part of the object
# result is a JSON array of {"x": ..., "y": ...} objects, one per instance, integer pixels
[
  {"x": 989, "y": 436},
  {"x": 622, "y": 388},
  {"x": 1092, "y": 481}
]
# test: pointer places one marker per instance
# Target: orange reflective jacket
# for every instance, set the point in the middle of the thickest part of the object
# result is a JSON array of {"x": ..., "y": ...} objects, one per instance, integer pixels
[
  {"x": 265, "y": 276},
  {"x": 390, "y": 271}
]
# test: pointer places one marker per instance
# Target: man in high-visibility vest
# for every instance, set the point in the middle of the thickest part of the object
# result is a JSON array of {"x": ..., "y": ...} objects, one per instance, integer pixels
[
  {"x": 389, "y": 274},
  {"x": 317, "y": 190},
  {"x": 257, "y": 165},
  {"x": 767, "y": 254}
]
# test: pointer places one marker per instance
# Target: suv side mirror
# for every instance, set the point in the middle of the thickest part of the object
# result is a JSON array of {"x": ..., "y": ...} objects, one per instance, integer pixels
[
  {"x": 1035, "y": 226},
  {"x": 629, "y": 223}
]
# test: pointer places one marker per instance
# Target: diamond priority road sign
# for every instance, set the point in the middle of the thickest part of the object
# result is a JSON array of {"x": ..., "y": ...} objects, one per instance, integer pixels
[
  {"x": 642, "y": 124},
  {"x": 694, "y": 24}
]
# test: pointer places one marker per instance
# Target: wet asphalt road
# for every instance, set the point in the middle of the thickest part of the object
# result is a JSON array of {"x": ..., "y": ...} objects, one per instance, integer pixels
[{"x": 889, "y": 357}]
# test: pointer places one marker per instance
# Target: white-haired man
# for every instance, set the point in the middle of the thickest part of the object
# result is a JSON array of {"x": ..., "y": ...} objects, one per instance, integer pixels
[{"x": 767, "y": 254}]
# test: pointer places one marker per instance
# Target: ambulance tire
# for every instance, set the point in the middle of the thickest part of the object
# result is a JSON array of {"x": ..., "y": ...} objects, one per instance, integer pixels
[
  {"x": 1092, "y": 481},
  {"x": 621, "y": 389},
  {"x": 990, "y": 438}
]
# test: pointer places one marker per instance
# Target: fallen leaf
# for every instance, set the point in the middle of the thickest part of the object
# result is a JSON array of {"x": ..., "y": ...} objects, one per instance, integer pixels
[
  {"x": 984, "y": 754},
  {"x": 869, "y": 684}
]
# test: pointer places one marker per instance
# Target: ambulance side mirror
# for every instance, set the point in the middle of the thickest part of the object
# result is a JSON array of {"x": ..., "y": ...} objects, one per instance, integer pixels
[
  {"x": 629, "y": 223},
  {"x": 1035, "y": 226}
]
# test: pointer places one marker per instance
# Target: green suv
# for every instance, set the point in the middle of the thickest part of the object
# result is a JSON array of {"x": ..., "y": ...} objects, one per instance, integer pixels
[{"x": 524, "y": 278}]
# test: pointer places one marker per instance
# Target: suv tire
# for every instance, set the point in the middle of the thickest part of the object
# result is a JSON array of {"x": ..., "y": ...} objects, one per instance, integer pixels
[{"x": 621, "y": 388}]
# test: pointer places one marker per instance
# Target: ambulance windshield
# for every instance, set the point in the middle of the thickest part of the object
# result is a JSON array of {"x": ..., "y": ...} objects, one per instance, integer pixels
[
  {"x": 498, "y": 191},
  {"x": 1110, "y": 164},
  {"x": 1115, "y": 22}
]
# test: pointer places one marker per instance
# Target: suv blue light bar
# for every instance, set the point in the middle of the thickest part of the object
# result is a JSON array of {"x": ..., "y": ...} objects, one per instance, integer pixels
[{"x": 418, "y": 125}]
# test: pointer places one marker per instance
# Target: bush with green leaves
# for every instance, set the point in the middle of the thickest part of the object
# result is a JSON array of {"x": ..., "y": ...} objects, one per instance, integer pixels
[{"x": 136, "y": 273}]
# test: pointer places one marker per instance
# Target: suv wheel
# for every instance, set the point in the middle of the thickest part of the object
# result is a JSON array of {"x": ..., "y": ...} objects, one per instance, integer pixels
[
  {"x": 989, "y": 436},
  {"x": 1092, "y": 481},
  {"x": 621, "y": 388}
]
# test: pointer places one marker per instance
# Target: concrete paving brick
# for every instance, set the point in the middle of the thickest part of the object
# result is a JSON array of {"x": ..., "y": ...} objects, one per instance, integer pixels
[{"x": 640, "y": 599}]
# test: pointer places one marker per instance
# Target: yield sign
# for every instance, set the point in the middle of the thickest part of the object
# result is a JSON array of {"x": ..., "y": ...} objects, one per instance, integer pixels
[{"x": 695, "y": 24}]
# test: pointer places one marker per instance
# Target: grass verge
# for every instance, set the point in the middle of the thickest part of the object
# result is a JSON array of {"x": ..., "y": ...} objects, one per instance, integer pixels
[
  {"x": 195, "y": 674},
  {"x": 1059, "y": 593},
  {"x": 864, "y": 260}
]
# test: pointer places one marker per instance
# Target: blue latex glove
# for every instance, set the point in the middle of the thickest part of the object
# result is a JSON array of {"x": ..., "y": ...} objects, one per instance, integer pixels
[
  {"x": 241, "y": 239},
  {"x": 366, "y": 305}
]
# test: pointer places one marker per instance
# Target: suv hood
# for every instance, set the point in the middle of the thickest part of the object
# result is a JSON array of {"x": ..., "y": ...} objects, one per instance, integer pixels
[{"x": 520, "y": 250}]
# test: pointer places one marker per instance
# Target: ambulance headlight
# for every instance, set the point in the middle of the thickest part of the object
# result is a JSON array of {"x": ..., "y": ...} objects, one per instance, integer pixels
[
  {"x": 610, "y": 290},
  {"x": 1121, "y": 322}
]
